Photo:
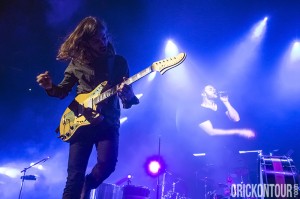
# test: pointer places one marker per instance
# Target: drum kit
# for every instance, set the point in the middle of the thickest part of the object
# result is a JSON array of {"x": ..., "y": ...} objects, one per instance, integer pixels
[
  {"x": 271, "y": 170},
  {"x": 221, "y": 191},
  {"x": 215, "y": 182},
  {"x": 172, "y": 192},
  {"x": 174, "y": 195},
  {"x": 214, "y": 190}
]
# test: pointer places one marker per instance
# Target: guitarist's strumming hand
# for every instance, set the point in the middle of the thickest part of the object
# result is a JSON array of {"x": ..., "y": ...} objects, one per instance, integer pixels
[
  {"x": 125, "y": 91},
  {"x": 44, "y": 80}
]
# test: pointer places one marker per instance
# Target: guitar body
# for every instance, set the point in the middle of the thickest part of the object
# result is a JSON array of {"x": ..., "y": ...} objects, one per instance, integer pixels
[{"x": 81, "y": 112}]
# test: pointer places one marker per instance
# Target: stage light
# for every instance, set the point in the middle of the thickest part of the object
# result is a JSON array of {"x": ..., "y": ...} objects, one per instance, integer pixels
[
  {"x": 139, "y": 95},
  {"x": 151, "y": 76},
  {"x": 259, "y": 29},
  {"x": 13, "y": 173},
  {"x": 123, "y": 119},
  {"x": 199, "y": 154},
  {"x": 154, "y": 166},
  {"x": 171, "y": 49},
  {"x": 295, "y": 52},
  {"x": 285, "y": 82},
  {"x": 251, "y": 151}
]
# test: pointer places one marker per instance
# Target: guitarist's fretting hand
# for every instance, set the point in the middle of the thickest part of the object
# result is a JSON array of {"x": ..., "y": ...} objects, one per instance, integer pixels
[
  {"x": 125, "y": 91},
  {"x": 44, "y": 80}
]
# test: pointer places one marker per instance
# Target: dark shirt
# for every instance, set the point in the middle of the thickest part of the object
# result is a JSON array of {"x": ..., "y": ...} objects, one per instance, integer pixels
[
  {"x": 188, "y": 120},
  {"x": 221, "y": 154},
  {"x": 89, "y": 76},
  {"x": 218, "y": 118},
  {"x": 193, "y": 115}
]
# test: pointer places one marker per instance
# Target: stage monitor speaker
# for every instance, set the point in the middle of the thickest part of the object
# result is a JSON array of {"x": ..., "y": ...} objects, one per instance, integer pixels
[
  {"x": 107, "y": 191},
  {"x": 135, "y": 192}
]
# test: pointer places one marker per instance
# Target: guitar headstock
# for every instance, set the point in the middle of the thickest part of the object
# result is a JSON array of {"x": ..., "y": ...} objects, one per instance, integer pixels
[{"x": 164, "y": 65}]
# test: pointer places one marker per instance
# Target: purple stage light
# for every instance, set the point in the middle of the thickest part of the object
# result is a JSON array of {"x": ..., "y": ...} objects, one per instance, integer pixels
[{"x": 155, "y": 166}]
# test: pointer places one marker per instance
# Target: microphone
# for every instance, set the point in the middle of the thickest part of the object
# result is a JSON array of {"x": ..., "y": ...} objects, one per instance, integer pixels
[
  {"x": 47, "y": 158},
  {"x": 222, "y": 93}
]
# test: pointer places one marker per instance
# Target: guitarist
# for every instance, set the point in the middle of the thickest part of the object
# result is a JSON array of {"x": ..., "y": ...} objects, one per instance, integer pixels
[{"x": 92, "y": 60}]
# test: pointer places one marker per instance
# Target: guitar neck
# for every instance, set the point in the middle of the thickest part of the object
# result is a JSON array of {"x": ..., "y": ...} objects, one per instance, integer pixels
[{"x": 112, "y": 91}]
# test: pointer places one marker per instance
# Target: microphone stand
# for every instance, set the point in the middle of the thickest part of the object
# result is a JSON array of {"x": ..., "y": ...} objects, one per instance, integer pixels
[
  {"x": 24, "y": 172},
  {"x": 158, "y": 182}
]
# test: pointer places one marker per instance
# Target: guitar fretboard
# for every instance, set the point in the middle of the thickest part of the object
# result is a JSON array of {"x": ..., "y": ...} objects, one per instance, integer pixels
[{"x": 112, "y": 91}]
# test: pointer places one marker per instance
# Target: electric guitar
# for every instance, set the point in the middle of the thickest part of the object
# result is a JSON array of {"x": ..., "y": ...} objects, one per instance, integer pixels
[{"x": 82, "y": 110}]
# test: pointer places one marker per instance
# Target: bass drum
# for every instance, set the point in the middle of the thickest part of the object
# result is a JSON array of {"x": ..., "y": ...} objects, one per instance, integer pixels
[{"x": 278, "y": 170}]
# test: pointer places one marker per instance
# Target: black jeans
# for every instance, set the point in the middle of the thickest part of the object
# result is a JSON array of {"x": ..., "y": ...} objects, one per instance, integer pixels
[{"x": 106, "y": 141}]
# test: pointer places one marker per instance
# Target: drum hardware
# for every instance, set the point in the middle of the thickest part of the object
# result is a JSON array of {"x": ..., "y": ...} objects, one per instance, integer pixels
[
  {"x": 163, "y": 185},
  {"x": 171, "y": 195},
  {"x": 205, "y": 188},
  {"x": 174, "y": 195},
  {"x": 173, "y": 181},
  {"x": 207, "y": 182},
  {"x": 209, "y": 194},
  {"x": 214, "y": 195}
]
